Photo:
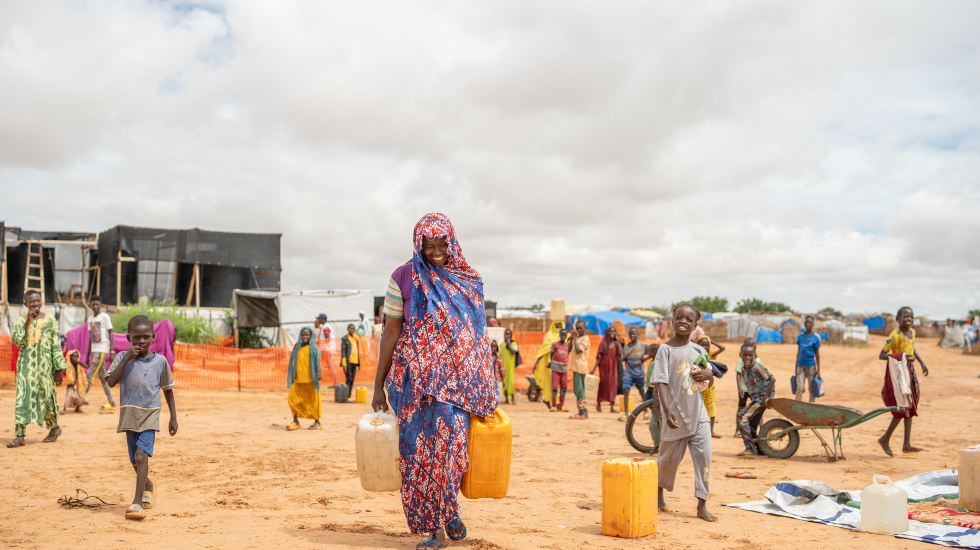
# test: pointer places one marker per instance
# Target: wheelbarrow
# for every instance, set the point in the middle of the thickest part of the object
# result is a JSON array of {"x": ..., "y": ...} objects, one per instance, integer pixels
[
  {"x": 778, "y": 438},
  {"x": 533, "y": 389}
]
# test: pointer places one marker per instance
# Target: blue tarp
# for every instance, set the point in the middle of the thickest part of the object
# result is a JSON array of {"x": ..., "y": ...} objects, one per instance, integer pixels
[
  {"x": 599, "y": 321},
  {"x": 706, "y": 316},
  {"x": 769, "y": 335},
  {"x": 874, "y": 323},
  {"x": 824, "y": 335}
]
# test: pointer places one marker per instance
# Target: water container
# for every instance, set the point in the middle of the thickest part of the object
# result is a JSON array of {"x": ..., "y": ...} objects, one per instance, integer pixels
[
  {"x": 341, "y": 393},
  {"x": 629, "y": 497},
  {"x": 489, "y": 452},
  {"x": 591, "y": 387},
  {"x": 360, "y": 395},
  {"x": 969, "y": 474},
  {"x": 376, "y": 442},
  {"x": 628, "y": 405},
  {"x": 884, "y": 507}
]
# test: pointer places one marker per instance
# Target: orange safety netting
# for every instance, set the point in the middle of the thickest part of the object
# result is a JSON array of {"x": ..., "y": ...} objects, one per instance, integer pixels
[{"x": 198, "y": 366}]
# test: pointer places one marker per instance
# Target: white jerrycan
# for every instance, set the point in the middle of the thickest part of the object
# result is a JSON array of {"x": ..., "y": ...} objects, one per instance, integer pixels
[
  {"x": 376, "y": 442},
  {"x": 884, "y": 507}
]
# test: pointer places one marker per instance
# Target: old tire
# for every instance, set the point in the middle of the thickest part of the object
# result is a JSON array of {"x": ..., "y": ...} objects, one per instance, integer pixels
[
  {"x": 784, "y": 447},
  {"x": 641, "y": 441}
]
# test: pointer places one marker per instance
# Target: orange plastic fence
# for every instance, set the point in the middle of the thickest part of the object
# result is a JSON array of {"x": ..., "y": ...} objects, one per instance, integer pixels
[{"x": 215, "y": 367}]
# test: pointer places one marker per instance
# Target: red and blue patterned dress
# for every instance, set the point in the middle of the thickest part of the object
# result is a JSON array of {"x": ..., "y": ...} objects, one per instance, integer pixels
[{"x": 442, "y": 370}]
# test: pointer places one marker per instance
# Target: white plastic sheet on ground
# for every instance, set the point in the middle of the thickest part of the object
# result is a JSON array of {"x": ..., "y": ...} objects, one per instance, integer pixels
[{"x": 818, "y": 502}]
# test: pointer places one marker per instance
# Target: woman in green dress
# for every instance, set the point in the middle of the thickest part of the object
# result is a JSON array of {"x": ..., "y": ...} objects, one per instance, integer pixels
[{"x": 40, "y": 366}]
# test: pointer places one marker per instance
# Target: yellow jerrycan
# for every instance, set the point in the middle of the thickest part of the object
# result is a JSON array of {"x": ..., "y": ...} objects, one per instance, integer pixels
[
  {"x": 629, "y": 497},
  {"x": 489, "y": 452},
  {"x": 626, "y": 403},
  {"x": 360, "y": 395}
]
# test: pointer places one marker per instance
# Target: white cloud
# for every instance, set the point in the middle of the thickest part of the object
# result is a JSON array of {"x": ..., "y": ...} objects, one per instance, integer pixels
[{"x": 636, "y": 153}]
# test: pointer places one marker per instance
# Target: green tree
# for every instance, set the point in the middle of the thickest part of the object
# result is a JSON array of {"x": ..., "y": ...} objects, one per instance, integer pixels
[
  {"x": 708, "y": 304},
  {"x": 830, "y": 311},
  {"x": 755, "y": 305},
  {"x": 188, "y": 329},
  {"x": 974, "y": 312}
]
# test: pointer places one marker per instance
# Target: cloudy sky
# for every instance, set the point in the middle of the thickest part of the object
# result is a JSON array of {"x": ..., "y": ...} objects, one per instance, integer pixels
[{"x": 627, "y": 153}]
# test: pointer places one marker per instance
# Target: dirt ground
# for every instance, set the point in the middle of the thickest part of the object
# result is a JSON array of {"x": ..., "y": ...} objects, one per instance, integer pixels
[{"x": 234, "y": 478}]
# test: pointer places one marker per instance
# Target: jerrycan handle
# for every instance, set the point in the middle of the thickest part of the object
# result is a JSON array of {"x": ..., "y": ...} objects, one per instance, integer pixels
[
  {"x": 883, "y": 480},
  {"x": 376, "y": 419}
]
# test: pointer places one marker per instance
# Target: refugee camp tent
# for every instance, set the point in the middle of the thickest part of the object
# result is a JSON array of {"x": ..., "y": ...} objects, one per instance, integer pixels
[
  {"x": 292, "y": 310},
  {"x": 599, "y": 321},
  {"x": 874, "y": 323}
]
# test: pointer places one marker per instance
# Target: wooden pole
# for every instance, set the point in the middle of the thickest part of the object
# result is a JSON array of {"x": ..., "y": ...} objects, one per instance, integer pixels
[
  {"x": 98, "y": 279},
  {"x": 236, "y": 337},
  {"x": 190, "y": 290},
  {"x": 119, "y": 279},
  {"x": 239, "y": 362}
]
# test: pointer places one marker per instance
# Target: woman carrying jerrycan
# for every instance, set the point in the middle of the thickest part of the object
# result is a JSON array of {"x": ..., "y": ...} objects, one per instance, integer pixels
[{"x": 436, "y": 365}]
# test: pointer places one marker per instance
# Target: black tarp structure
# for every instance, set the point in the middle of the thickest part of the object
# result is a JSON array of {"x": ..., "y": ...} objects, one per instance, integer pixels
[{"x": 207, "y": 265}]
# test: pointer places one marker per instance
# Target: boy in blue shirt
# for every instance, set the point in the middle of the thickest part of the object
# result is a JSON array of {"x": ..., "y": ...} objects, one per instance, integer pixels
[
  {"x": 143, "y": 374},
  {"x": 807, "y": 359}
]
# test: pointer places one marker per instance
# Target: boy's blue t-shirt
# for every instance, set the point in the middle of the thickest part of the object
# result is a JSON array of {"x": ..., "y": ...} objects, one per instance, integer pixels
[
  {"x": 808, "y": 349},
  {"x": 139, "y": 391}
]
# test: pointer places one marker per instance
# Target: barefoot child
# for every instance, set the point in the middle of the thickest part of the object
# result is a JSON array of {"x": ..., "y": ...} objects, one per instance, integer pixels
[
  {"x": 710, "y": 403},
  {"x": 559, "y": 371},
  {"x": 73, "y": 380},
  {"x": 635, "y": 354},
  {"x": 143, "y": 374},
  {"x": 899, "y": 349},
  {"x": 578, "y": 363},
  {"x": 679, "y": 381},
  {"x": 807, "y": 359},
  {"x": 759, "y": 387}
]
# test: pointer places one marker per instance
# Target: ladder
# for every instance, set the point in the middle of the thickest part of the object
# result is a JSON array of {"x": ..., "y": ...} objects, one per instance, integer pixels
[{"x": 31, "y": 281}]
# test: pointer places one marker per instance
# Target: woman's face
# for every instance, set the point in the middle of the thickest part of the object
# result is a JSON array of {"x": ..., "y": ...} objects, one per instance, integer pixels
[
  {"x": 435, "y": 251},
  {"x": 304, "y": 336}
]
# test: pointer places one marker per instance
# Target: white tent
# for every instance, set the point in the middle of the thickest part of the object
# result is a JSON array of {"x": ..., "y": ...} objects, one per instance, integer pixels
[{"x": 292, "y": 310}]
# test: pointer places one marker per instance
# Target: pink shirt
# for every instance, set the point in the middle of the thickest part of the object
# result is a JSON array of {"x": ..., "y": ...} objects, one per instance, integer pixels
[{"x": 696, "y": 333}]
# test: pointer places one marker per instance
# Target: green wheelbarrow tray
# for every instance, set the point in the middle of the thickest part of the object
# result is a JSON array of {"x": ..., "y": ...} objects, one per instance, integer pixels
[{"x": 778, "y": 437}]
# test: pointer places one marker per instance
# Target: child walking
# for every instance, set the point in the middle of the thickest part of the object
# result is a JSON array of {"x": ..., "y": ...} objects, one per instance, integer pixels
[
  {"x": 807, "y": 359},
  {"x": 559, "y": 371},
  {"x": 901, "y": 387},
  {"x": 143, "y": 374},
  {"x": 74, "y": 375},
  {"x": 679, "y": 380},
  {"x": 759, "y": 387},
  {"x": 635, "y": 354},
  {"x": 578, "y": 363},
  {"x": 710, "y": 402}
]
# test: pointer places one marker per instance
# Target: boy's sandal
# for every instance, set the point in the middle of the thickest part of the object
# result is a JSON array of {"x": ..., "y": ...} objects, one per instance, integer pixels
[
  {"x": 135, "y": 511},
  {"x": 52, "y": 437},
  {"x": 454, "y": 528},
  {"x": 293, "y": 426},
  {"x": 149, "y": 497},
  {"x": 315, "y": 427},
  {"x": 742, "y": 475},
  {"x": 16, "y": 442}
]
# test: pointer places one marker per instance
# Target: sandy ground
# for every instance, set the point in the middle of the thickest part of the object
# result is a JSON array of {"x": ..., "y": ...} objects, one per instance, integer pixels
[{"x": 234, "y": 478}]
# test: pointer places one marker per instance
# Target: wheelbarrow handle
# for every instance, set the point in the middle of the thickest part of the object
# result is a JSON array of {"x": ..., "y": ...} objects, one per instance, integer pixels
[{"x": 870, "y": 415}]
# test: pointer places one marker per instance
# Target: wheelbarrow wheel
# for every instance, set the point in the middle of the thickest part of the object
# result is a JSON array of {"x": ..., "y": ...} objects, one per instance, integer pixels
[
  {"x": 533, "y": 394},
  {"x": 783, "y": 447}
]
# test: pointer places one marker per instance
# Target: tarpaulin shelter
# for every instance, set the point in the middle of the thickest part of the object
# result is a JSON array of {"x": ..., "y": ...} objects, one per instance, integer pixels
[
  {"x": 599, "y": 321},
  {"x": 874, "y": 323},
  {"x": 193, "y": 267},
  {"x": 290, "y": 311}
]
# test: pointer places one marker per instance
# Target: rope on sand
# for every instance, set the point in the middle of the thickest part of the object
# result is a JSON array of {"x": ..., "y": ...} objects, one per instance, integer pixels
[{"x": 78, "y": 501}]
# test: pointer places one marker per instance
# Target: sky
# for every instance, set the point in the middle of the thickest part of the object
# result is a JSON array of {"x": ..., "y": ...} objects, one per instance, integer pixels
[{"x": 623, "y": 153}]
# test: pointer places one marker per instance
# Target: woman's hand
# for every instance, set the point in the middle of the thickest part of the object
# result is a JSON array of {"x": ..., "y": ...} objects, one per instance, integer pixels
[{"x": 380, "y": 401}]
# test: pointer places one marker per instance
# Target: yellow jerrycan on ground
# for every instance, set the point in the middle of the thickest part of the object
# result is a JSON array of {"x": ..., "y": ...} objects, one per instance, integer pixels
[
  {"x": 629, "y": 497},
  {"x": 626, "y": 403},
  {"x": 360, "y": 395},
  {"x": 489, "y": 453},
  {"x": 376, "y": 444}
]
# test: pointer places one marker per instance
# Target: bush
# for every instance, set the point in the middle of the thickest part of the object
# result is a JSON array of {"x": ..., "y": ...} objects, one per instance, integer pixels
[
  {"x": 974, "y": 313},
  {"x": 830, "y": 311},
  {"x": 755, "y": 305},
  {"x": 707, "y": 304},
  {"x": 187, "y": 329}
]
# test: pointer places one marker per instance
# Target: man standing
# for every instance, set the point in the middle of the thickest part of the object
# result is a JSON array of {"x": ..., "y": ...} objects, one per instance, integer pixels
[
  {"x": 350, "y": 356},
  {"x": 807, "y": 359},
  {"x": 321, "y": 330},
  {"x": 100, "y": 349},
  {"x": 40, "y": 366}
]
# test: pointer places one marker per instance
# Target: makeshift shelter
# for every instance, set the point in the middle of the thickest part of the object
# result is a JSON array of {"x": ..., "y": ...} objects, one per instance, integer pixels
[
  {"x": 292, "y": 310},
  {"x": 599, "y": 321},
  {"x": 193, "y": 267}
]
